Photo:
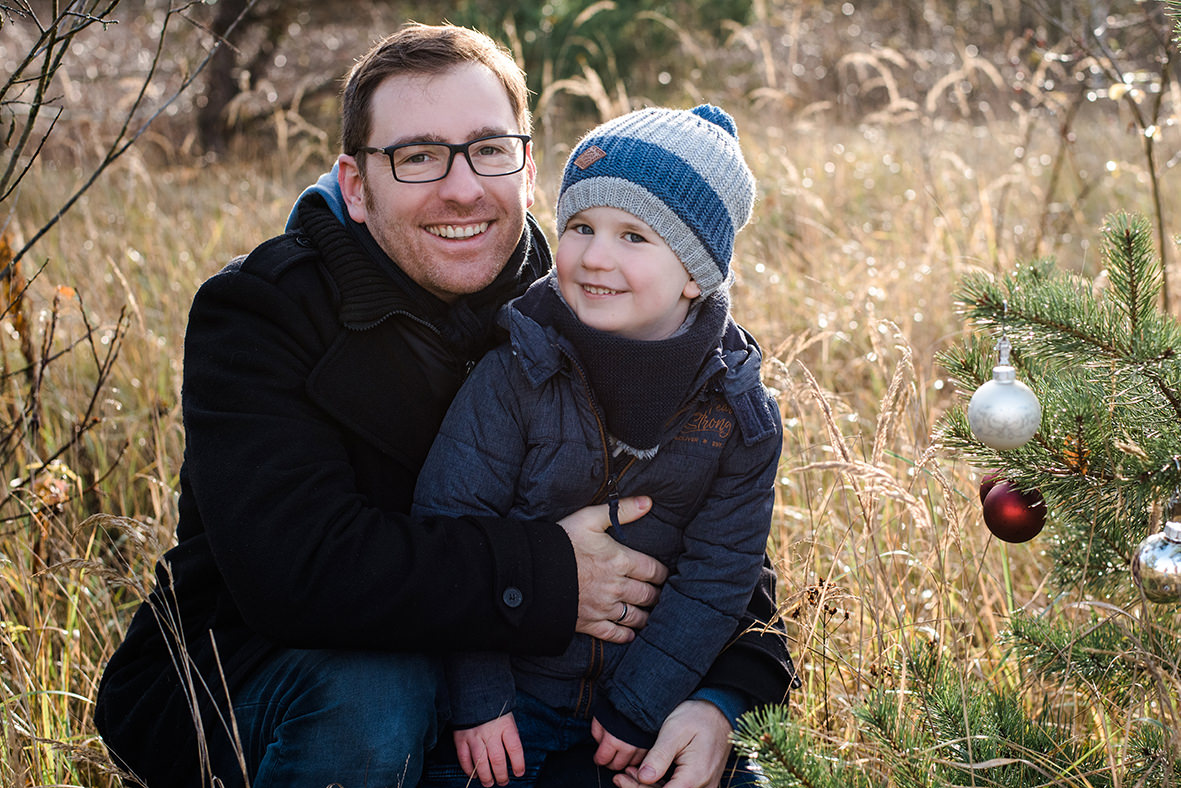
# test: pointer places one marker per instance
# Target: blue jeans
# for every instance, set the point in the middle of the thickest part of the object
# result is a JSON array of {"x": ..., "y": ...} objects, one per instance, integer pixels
[
  {"x": 558, "y": 754},
  {"x": 354, "y": 719}
]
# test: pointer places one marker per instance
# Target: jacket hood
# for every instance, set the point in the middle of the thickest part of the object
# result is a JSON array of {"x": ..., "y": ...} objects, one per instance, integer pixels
[
  {"x": 733, "y": 367},
  {"x": 326, "y": 188}
]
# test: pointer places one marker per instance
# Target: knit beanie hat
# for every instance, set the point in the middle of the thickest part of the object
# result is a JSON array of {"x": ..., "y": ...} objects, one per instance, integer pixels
[{"x": 680, "y": 171}]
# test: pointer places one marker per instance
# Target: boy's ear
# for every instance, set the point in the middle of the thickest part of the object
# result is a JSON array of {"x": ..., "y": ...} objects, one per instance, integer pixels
[{"x": 692, "y": 289}]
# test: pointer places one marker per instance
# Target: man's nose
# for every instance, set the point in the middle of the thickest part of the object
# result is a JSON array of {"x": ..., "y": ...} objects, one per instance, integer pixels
[{"x": 461, "y": 183}]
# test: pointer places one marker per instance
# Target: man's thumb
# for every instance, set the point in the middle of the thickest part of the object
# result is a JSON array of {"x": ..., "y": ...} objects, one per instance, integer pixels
[
  {"x": 633, "y": 508},
  {"x": 655, "y": 764}
]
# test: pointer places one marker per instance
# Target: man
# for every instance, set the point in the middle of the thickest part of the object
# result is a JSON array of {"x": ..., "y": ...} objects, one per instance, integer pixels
[{"x": 291, "y": 635}]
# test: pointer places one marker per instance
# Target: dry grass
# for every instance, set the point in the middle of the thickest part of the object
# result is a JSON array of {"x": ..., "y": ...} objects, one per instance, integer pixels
[{"x": 861, "y": 231}]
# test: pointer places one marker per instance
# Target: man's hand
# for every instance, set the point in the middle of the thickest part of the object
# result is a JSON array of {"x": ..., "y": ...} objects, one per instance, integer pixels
[
  {"x": 695, "y": 737},
  {"x": 615, "y": 583},
  {"x": 613, "y": 753},
  {"x": 490, "y": 750}
]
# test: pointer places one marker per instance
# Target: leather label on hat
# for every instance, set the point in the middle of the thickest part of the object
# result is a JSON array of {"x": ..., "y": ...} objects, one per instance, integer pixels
[{"x": 589, "y": 157}]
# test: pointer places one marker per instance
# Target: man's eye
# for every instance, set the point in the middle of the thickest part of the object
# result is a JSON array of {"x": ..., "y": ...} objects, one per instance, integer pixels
[{"x": 413, "y": 156}]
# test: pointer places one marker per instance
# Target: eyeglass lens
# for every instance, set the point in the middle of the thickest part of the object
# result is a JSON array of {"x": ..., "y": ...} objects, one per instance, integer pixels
[{"x": 431, "y": 161}]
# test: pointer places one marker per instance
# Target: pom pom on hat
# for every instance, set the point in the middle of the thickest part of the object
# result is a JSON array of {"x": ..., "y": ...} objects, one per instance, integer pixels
[
  {"x": 716, "y": 115},
  {"x": 680, "y": 171}
]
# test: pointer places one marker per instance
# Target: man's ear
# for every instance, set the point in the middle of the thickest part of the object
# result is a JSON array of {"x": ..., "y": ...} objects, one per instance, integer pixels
[
  {"x": 530, "y": 176},
  {"x": 352, "y": 186},
  {"x": 692, "y": 289}
]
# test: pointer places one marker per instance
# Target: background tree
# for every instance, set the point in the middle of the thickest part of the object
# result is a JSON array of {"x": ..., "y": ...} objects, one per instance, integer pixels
[
  {"x": 1096, "y": 671},
  {"x": 1087, "y": 687}
]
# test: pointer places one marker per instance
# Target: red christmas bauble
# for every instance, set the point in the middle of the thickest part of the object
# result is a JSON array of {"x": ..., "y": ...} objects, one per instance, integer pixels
[
  {"x": 987, "y": 483},
  {"x": 1013, "y": 515}
]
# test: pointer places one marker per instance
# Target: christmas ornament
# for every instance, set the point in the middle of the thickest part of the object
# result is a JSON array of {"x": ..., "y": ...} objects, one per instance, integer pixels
[
  {"x": 1014, "y": 515},
  {"x": 987, "y": 483},
  {"x": 1004, "y": 413},
  {"x": 1156, "y": 565}
]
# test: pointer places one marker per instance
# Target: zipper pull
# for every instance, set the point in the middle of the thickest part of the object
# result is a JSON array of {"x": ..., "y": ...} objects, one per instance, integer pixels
[{"x": 613, "y": 507}]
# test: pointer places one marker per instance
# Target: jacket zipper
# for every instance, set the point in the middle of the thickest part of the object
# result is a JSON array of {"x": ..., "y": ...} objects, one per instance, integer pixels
[
  {"x": 422, "y": 321},
  {"x": 467, "y": 364},
  {"x": 586, "y": 685},
  {"x": 608, "y": 491}
]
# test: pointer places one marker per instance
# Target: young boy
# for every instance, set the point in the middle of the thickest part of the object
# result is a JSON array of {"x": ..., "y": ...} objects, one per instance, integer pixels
[{"x": 624, "y": 374}]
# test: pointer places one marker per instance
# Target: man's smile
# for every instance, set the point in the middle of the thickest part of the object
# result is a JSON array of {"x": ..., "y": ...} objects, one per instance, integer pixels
[{"x": 457, "y": 230}]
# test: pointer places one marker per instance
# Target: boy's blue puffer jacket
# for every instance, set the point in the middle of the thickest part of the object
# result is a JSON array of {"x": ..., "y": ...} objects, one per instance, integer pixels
[{"x": 524, "y": 438}]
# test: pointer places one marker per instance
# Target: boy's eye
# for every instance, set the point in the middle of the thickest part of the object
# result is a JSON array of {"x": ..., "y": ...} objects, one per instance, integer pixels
[
  {"x": 635, "y": 238},
  {"x": 582, "y": 229}
]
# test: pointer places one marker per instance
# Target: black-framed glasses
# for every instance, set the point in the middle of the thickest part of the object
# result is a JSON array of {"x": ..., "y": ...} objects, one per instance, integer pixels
[{"x": 423, "y": 162}]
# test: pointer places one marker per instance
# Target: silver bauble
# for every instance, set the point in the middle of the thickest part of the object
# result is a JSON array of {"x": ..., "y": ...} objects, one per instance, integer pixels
[
  {"x": 1156, "y": 565},
  {"x": 1004, "y": 413}
]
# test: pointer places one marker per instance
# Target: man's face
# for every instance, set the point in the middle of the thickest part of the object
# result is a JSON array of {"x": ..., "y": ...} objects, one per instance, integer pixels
[{"x": 452, "y": 236}]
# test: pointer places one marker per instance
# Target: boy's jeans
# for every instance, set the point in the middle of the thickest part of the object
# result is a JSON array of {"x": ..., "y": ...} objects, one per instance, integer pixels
[
  {"x": 354, "y": 719},
  {"x": 558, "y": 752}
]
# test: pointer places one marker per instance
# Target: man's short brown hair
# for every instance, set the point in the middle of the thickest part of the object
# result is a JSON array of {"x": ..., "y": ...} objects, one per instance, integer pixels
[{"x": 425, "y": 49}]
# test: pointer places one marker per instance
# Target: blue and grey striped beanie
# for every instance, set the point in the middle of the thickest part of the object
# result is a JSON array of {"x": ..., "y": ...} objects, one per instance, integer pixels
[{"x": 680, "y": 171}]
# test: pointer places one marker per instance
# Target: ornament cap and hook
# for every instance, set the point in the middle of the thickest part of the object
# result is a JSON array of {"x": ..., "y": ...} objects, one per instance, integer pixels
[
  {"x": 1172, "y": 527},
  {"x": 1172, "y": 531},
  {"x": 1004, "y": 372}
]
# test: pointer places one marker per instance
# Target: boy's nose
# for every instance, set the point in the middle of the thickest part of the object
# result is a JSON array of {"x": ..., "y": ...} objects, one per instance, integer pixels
[{"x": 596, "y": 255}]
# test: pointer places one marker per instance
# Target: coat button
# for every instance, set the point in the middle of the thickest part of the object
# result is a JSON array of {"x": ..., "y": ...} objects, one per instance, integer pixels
[{"x": 513, "y": 597}]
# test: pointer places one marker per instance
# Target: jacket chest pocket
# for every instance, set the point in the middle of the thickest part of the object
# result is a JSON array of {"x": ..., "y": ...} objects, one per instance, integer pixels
[
  {"x": 678, "y": 485},
  {"x": 556, "y": 473}
]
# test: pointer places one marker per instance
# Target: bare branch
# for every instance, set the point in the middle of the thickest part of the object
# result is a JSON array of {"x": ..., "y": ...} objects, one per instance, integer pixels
[{"x": 123, "y": 141}]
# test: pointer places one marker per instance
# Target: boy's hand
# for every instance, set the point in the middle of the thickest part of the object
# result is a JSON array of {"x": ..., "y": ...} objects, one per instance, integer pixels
[
  {"x": 488, "y": 750},
  {"x": 614, "y": 754}
]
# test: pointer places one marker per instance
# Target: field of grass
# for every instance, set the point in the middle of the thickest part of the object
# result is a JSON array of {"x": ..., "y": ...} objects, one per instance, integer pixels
[{"x": 866, "y": 219}]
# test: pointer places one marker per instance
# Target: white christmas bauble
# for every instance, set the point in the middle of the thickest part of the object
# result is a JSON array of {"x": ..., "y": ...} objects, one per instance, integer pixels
[
  {"x": 1004, "y": 413},
  {"x": 1156, "y": 565}
]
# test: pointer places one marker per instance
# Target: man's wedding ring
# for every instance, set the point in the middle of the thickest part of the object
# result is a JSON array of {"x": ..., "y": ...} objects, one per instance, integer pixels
[{"x": 622, "y": 615}]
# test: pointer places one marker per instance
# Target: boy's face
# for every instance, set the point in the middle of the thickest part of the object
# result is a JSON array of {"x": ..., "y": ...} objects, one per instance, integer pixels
[
  {"x": 452, "y": 236},
  {"x": 619, "y": 276}
]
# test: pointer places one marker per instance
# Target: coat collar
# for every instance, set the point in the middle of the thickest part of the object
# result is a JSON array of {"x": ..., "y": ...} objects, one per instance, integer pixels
[
  {"x": 734, "y": 367},
  {"x": 371, "y": 287}
]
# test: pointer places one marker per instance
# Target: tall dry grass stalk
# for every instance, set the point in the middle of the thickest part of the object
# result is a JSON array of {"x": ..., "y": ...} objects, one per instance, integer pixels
[
  {"x": 860, "y": 232},
  {"x": 78, "y": 535}
]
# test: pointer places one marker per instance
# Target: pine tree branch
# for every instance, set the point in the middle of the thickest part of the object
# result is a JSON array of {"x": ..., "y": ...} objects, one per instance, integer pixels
[{"x": 1056, "y": 318}]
